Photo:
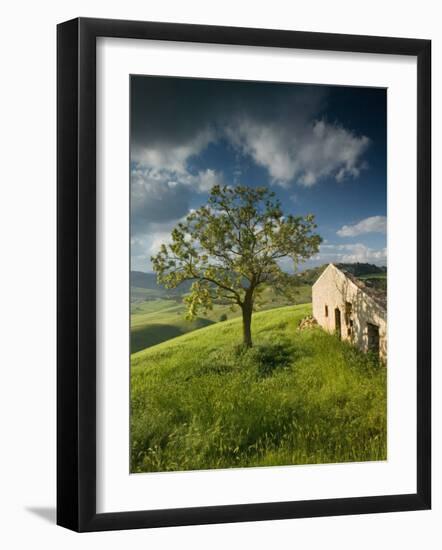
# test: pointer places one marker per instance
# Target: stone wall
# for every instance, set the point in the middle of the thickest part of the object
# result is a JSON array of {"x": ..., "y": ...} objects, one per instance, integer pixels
[{"x": 338, "y": 301}]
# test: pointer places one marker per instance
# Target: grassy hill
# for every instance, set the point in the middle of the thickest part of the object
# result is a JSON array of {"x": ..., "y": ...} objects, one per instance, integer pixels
[
  {"x": 158, "y": 314},
  {"x": 156, "y": 318},
  {"x": 201, "y": 401}
]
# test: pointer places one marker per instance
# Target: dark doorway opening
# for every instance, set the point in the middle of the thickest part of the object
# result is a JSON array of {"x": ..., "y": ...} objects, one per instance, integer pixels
[
  {"x": 349, "y": 319},
  {"x": 373, "y": 338},
  {"x": 338, "y": 322}
]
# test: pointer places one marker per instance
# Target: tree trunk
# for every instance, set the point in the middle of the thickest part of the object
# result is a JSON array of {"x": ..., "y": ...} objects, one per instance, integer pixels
[{"x": 247, "y": 309}]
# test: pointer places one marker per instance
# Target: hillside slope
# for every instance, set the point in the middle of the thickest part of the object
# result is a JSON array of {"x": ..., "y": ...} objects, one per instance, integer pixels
[
  {"x": 157, "y": 319},
  {"x": 200, "y": 401},
  {"x": 158, "y": 314}
]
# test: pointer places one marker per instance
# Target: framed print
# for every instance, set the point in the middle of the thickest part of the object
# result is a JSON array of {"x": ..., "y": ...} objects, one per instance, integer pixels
[{"x": 243, "y": 274}]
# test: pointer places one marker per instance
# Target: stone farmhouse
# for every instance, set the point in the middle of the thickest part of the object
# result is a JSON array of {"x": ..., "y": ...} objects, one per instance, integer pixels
[{"x": 354, "y": 311}]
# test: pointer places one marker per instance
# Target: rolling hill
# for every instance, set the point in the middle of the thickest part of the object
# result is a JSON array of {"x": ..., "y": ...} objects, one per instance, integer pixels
[
  {"x": 156, "y": 318},
  {"x": 202, "y": 401},
  {"x": 158, "y": 314}
]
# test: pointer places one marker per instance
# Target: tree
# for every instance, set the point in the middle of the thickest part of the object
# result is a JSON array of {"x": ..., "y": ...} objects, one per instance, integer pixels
[{"x": 231, "y": 249}]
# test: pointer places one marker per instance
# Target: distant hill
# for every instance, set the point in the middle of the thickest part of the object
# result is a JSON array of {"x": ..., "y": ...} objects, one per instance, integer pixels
[
  {"x": 145, "y": 286},
  {"x": 360, "y": 270},
  {"x": 141, "y": 280},
  {"x": 138, "y": 279}
]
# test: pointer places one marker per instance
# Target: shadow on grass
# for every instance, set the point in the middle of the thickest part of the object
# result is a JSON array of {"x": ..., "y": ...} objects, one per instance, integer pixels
[
  {"x": 265, "y": 359},
  {"x": 273, "y": 357},
  {"x": 150, "y": 335}
]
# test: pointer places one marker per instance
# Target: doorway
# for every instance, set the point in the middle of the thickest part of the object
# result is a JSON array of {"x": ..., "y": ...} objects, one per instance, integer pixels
[
  {"x": 338, "y": 322},
  {"x": 373, "y": 338}
]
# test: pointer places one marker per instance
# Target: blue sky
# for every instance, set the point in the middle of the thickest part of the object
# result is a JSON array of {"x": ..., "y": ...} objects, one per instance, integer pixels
[{"x": 321, "y": 149}]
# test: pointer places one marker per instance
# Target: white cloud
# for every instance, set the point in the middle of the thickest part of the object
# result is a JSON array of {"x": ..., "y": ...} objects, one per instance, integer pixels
[
  {"x": 160, "y": 195},
  {"x": 156, "y": 196},
  {"x": 206, "y": 179},
  {"x": 172, "y": 156},
  {"x": 144, "y": 246},
  {"x": 362, "y": 253},
  {"x": 157, "y": 239},
  {"x": 373, "y": 224},
  {"x": 300, "y": 151},
  {"x": 280, "y": 129},
  {"x": 296, "y": 150},
  {"x": 351, "y": 253}
]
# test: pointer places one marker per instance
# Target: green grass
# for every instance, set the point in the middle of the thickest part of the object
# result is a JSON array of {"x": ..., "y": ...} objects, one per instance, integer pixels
[
  {"x": 376, "y": 280},
  {"x": 157, "y": 319},
  {"x": 201, "y": 401},
  {"x": 373, "y": 276}
]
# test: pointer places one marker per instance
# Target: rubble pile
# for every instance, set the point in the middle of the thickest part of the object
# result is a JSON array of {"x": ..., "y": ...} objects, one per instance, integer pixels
[{"x": 307, "y": 323}]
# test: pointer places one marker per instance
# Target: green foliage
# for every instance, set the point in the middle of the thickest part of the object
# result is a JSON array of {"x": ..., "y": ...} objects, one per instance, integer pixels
[
  {"x": 223, "y": 317},
  {"x": 230, "y": 249},
  {"x": 362, "y": 270},
  {"x": 203, "y": 401}
]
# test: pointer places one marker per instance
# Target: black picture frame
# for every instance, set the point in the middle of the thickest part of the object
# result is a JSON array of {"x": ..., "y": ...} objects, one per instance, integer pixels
[{"x": 76, "y": 274}]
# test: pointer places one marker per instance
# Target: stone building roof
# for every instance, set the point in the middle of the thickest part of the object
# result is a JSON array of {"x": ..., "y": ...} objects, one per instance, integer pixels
[{"x": 379, "y": 296}]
